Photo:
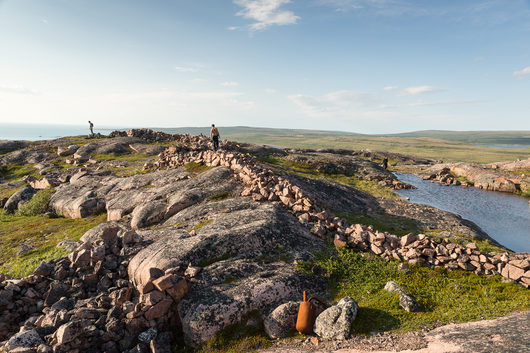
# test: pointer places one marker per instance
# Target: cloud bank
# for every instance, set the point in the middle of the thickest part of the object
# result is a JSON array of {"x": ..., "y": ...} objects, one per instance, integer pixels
[{"x": 266, "y": 13}]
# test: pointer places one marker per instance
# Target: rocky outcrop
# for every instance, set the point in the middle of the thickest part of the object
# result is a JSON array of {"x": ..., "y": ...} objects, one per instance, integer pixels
[
  {"x": 335, "y": 322},
  {"x": 10, "y": 146},
  {"x": 19, "y": 198},
  {"x": 199, "y": 252},
  {"x": 332, "y": 163},
  {"x": 263, "y": 185},
  {"x": 480, "y": 176},
  {"x": 234, "y": 284}
]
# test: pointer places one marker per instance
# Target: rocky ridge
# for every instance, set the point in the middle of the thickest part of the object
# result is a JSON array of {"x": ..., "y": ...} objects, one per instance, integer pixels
[
  {"x": 493, "y": 177},
  {"x": 171, "y": 256},
  {"x": 261, "y": 184}
]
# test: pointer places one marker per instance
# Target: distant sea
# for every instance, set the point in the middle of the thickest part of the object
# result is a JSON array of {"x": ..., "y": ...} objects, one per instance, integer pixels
[{"x": 34, "y": 132}]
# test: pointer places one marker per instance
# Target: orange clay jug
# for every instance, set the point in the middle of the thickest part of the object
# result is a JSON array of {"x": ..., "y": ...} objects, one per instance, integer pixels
[{"x": 306, "y": 316}]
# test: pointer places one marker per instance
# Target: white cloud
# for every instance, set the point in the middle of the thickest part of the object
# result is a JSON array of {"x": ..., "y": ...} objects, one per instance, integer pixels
[
  {"x": 334, "y": 104},
  {"x": 17, "y": 90},
  {"x": 390, "y": 88},
  {"x": 266, "y": 13},
  {"x": 270, "y": 90},
  {"x": 229, "y": 84},
  {"x": 521, "y": 73},
  {"x": 186, "y": 69},
  {"x": 232, "y": 28},
  {"x": 420, "y": 90}
]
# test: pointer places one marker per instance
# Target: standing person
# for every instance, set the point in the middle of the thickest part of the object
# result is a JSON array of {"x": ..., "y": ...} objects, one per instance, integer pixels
[
  {"x": 91, "y": 127},
  {"x": 214, "y": 135}
]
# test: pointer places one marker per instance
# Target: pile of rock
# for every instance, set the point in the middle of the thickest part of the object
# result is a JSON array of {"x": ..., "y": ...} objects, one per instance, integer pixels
[
  {"x": 445, "y": 177},
  {"x": 155, "y": 136},
  {"x": 261, "y": 184},
  {"x": 480, "y": 176},
  {"x": 86, "y": 303}
]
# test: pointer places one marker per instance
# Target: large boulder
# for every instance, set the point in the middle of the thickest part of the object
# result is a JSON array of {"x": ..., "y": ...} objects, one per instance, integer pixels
[
  {"x": 25, "y": 339},
  {"x": 147, "y": 214},
  {"x": 113, "y": 148},
  {"x": 335, "y": 322},
  {"x": 105, "y": 231},
  {"x": 76, "y": 206},
  {"x": 282, "y": 320},
  {"x": 21, "y": 196}
]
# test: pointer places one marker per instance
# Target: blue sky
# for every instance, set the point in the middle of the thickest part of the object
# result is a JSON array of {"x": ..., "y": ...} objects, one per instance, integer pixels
[{"x": 371, "y": 66}]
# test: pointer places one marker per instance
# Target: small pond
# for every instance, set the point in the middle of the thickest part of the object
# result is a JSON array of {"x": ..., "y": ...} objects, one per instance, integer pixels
[{"x": 505, "y": 217}]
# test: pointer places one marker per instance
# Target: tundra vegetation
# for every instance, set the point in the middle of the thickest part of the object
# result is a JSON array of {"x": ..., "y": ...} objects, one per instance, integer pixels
[{"x": 31, "y": 235}]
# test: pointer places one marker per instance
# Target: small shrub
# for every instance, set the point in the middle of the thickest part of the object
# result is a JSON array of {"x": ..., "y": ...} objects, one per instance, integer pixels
[{"x": 38, "y": 204}]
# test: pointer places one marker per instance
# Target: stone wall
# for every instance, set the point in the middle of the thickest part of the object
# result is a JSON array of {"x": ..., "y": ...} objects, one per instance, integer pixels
[{"x": 263, "y": 185}]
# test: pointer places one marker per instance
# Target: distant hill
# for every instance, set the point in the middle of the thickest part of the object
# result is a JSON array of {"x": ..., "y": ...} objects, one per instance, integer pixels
[
  {"x": 256, "y": 131},
  {"x": 248, "y": 133},
  {"x": 473, "y": 137}
]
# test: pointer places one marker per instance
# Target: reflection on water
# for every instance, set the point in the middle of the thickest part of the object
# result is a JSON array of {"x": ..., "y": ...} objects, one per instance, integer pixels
[{"x": 505, "y": 217}]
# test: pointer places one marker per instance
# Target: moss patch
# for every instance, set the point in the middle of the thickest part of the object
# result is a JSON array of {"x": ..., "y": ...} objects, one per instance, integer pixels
[
  {"x": 447, "y": 296},
  {"x": 201, "y": 224},
  {"x": 130, "y": 157},
  {"x": 221, "y": 196},
  {"x": 369, "y": 186},
  {"x": 208, "y": 262},
  {"x": 196, "y": 168},
  {"x": 43, "y": 234},
  {"x": 14, "y": 172},
  {"x": 7, "y": 191}
]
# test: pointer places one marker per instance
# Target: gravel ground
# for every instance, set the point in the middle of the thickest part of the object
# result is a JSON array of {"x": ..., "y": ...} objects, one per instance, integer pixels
[{"x": 510, "y": 334}]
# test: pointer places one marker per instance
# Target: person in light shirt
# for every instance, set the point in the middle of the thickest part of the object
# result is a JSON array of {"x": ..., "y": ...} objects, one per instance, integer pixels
[{"x": 214, "y": 135}]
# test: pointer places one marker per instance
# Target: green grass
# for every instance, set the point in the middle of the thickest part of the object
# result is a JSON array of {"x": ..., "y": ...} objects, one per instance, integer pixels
[
  {"x": 221, "y": 196},
  {"x": 129, "y": 157},
  {"x": 43, "y": 234},
  {"x": 196, "y": 168},
  {"x": 14, "y": 172},
  {"x": 428, "y": 147},
  {"x": 525, "y": 172},
  {"x": 368, "y": 186},
  {"x": 38, "y": 203},
  {"x": 8, "y": 191},
  {"x": 447, "y": 296},
  {"x": 383, "y": 222}
]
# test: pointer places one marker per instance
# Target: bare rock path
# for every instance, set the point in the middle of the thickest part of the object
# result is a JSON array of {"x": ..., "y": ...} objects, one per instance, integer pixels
[{"x": 509, "y": 334}]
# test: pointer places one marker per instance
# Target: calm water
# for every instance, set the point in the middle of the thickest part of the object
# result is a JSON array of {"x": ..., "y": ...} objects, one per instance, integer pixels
[
  {"x": 505, "y": 217},
  {"x": 33, "y": 132}
]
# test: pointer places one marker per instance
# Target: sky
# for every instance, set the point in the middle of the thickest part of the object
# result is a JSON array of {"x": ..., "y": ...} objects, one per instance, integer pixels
[{"x": 367, "y": 66}]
